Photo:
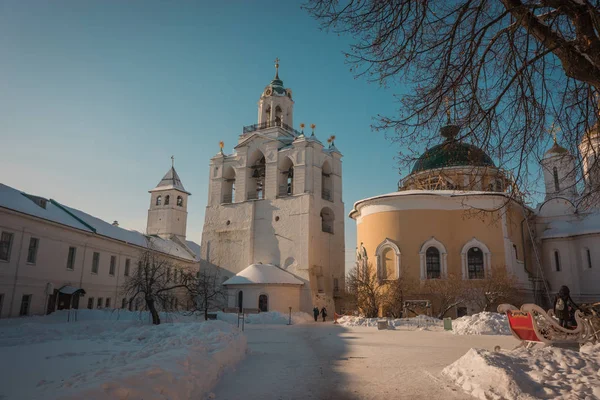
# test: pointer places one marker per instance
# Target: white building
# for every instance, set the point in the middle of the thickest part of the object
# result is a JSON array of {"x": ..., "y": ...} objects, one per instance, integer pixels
[
  {"x": 568, "y": 222},
  {"x": 56, "y": 257},
  {"x": 277, "y": 201}
]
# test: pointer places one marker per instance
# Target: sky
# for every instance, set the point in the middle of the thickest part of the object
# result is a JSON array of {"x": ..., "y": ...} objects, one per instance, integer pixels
[{"x": 96, "y": 96}]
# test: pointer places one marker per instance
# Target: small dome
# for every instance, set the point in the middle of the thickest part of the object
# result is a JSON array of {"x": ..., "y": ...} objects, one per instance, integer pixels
[
  {"x": 556, "y": 150},
  {"x": 452, "y": 153}
]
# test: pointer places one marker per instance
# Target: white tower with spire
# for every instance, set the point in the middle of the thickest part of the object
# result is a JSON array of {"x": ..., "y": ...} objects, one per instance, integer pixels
[
  {"x": 560, "y": 173},
  {"x": 277, "y": 202},
  {"x": 167, "y": 215},
  {"x": 276, "y": 106}
]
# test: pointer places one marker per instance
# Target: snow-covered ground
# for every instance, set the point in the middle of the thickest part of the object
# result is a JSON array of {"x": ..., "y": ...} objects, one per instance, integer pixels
[
  {"x": 114, "y": 355},
  {"x": 483, "y": 323},
  {"x": 420, "y": 322},
  {"x": 538, "y": 373},
  {"x": 269, "y": 318}
]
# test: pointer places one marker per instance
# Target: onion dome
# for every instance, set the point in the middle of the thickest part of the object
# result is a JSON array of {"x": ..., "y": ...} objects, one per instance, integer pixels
[
  {"x": 556, "y": 150},
  {"x": 276, "y": 88},
  {"x": 452, "y": 153}
]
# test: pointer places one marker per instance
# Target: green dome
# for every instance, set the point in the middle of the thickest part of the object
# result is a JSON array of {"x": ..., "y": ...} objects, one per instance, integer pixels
[{"x": 452, "y": 153}]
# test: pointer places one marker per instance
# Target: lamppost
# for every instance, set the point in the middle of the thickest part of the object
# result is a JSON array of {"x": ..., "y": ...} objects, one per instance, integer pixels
[{"x": 289, "y": 323}]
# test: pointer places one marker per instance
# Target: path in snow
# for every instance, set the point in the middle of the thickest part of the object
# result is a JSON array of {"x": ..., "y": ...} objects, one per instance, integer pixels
[{"x": 325, "y": 361}]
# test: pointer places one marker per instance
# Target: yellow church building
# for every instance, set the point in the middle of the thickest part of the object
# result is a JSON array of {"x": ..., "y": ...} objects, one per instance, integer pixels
[{"x": 457, "y": 214}]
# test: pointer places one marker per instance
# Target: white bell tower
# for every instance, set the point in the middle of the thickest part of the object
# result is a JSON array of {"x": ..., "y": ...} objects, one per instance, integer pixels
[
  {"x": 590, "y": 155},
  {"x": 276, "y": 106},
  {"x": 167, "y": 215},
  {"x": 560, "y": 175}
]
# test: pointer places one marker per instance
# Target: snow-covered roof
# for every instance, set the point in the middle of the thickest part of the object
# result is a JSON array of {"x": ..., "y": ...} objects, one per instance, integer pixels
[
  {"x": 170, "y": 181},
  {"x": 263, "y": 274},
  {"x": 583, "y": 225},
  {"x": 54, "y": 211},
  {"x": 439, "y": 193},
  {"x": 16, "y": 200}
]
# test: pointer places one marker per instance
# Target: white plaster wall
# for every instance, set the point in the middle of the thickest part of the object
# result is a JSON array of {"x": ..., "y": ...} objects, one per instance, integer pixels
[
  {"x": 17, "y": 277},
  {"x": 584, "y": 282},
  {"x": 280, "y": 297},
  {"x": 167, "y": 220},
  {"x": 284, "y": 231},
  {"x": 566, "y": 171}
]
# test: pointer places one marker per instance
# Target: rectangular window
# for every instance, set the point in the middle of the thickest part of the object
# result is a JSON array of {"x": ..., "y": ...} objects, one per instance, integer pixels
[
  {"x": 556, "y": 260},
  {"x": 113, "y": 264},
  {"x": 71, "y": 258},
  {"x": 123, "y": 303},
  {"x": 127, "y": 266},
  {"x": 90, "y": 303},
  {"x": 1, "y": 303},
  {"x": 32, "y": 251},
  {"x": 25, "y": 305},
  {"x": 107, "y": 303},
  {"x": 99, "y": 303},
  {"x": 6, "y": 240},
  {"x": 95, "y": 263}
]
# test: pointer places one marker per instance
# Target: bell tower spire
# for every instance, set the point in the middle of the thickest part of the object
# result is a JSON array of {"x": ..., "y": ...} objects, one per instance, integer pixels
[
  {"x": 167, "y": 215},
  {"x": 276, "y": 106}
]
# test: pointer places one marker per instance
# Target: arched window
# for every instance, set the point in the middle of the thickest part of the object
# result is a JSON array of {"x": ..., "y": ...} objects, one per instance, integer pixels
[
  {"x": 263, "y": 303},
  {"x": 240, "y": 301},
  {"x": 388, "y": 260},
  {"x": 256, "y": 180},
  {"x": 555, "y": 173},
  {"x": 229, "y": 185},
  {"x": 327, "y": 219},
  {"x": 158, "y": 200},
  {"x": 432, "y": 257},
  {"x": 475, "y": 263},
  {"x": 556, "y": 261},
  {"x": 167, "y": 198},
  {"x": 278, "y": 116},
  {"x": 326, "y": 189},
  {"x": 286, "y": 177},
  {"x": 179, "y": 201}
]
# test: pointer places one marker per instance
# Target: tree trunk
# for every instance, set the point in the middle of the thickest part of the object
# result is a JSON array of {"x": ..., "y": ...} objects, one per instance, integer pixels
[{"x": 153, "y": 312}]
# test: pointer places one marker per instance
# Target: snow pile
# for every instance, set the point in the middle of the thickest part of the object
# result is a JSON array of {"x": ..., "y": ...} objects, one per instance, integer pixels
[
  {"x": 538, "y": 373},
  {"x": 114, "y": 359},
  {"x": 268, "y": 318},
  {"x": 420, "y": 322},
  {"x": 483, "y": 323}
]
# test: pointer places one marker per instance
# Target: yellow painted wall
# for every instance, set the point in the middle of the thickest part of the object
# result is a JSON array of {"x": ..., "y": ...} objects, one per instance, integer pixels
[{"x": 409, "y": 229}]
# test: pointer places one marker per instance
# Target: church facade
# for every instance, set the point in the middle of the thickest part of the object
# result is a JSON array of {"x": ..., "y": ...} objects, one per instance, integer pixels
[
  {"x": 274, "y": 221},
  {"x": 55, "y": 257},
  {"x": 455, "y": 215}
]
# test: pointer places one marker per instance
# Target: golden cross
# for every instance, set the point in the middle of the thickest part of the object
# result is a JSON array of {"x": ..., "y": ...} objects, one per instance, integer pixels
[
  {"x": 553, "y": 131},
  {"x": 172, "y": 161},
  {"x": 447, "y": 101},
  {"x": 277, "y": 66}
]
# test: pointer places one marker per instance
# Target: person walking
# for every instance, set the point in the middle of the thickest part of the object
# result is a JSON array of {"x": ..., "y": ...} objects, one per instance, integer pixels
[
  {"x": 316, "y": 313},
  {"x": 562, "y": 303},
  {"x": 323, "y": 313}
]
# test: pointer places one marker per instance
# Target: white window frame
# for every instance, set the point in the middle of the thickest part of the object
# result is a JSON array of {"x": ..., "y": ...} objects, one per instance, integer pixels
[
  {"x": 487, "y": 258},
  {"x": 433, "y": 242},
  {"x": 387, "y": 244}
]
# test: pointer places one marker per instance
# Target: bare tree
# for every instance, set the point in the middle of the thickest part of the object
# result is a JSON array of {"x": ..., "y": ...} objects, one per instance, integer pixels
[
  {"x": 367, "y": 289},
  {"x": 160, "y": 282},
  {"x": 396, "y": 292},
  {"x": 449, "y": 293},
  {"x": 209, "y": 292},
  {"x": 499, "y": 288},
  {"x": 510, "y": 69}
]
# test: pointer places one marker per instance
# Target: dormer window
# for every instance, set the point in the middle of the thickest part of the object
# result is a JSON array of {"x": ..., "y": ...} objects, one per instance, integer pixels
[
  {"x": 167, "y": 198},
  {"x": 179, "y": 201},
  {"x": 158, "y": 200}
]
